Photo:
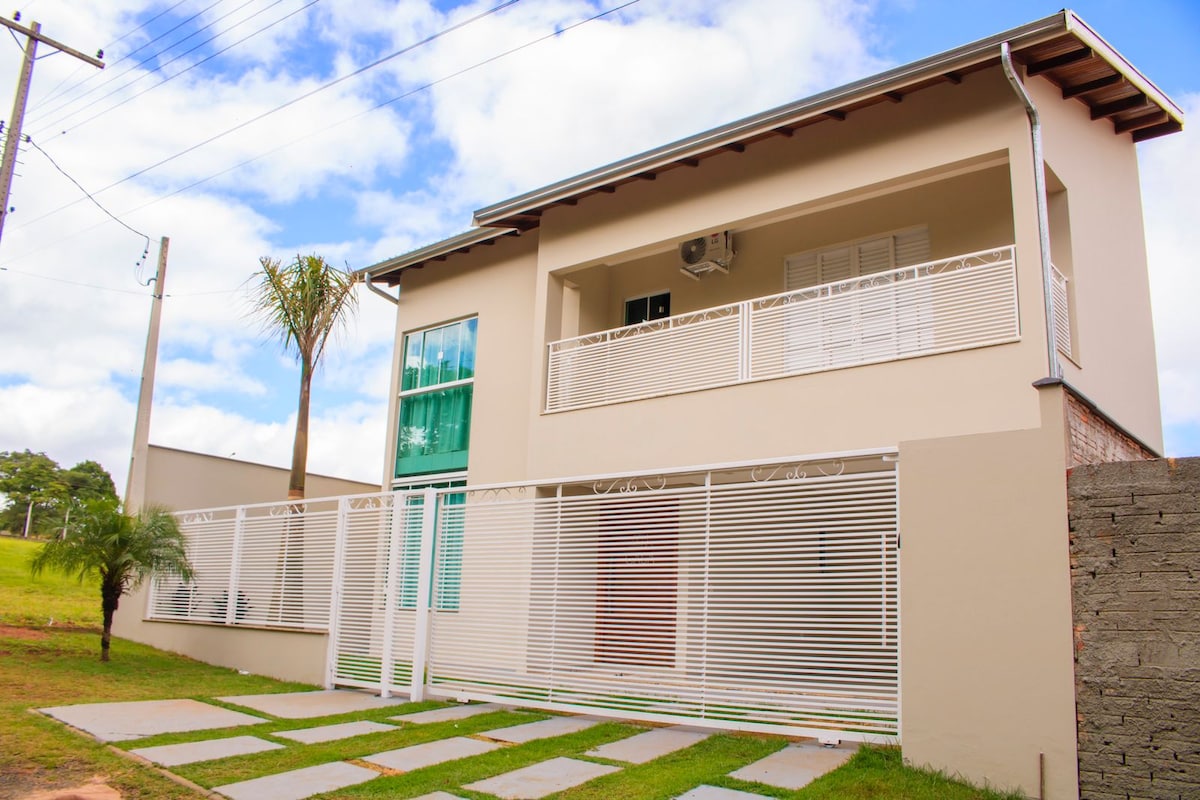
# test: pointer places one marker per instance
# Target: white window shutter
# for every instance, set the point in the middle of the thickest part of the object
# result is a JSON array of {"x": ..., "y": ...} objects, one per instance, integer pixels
[
  {"x": 874, "y": 255},
  {"x": 802, "y": 271},
  {"x": 836, "y": 264},
  {"x": 912, "y": 247}
]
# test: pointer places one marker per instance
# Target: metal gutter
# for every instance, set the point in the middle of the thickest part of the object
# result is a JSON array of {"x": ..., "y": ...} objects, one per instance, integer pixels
[
  {"x": 762, "y": 123},
  {"x": 437, "y": 249},
  {"x": 367, "y": 280},
  {"x": 1043, "y": 212}
]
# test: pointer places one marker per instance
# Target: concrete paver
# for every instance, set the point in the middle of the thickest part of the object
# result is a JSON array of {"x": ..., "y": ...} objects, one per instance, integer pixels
[
  {"x": 448, "y": 713},
  {"x": 544, "y": 778},
  {"x": 302, "y": 705},
  {"x": 329, "y": 733},
  {"x": 796, "y": 765},
  {"x": 170, "y": 755},
  {"x": 649, "y": 745},
  {"x": 543, "y": 729},
  {"x": 299, "y": 783},
  {"x": 438, "y": 796},
  {"x": 117, "y": 722},
  {"x": 706, "y": 792},
  {"x": 406, "y": 759}
]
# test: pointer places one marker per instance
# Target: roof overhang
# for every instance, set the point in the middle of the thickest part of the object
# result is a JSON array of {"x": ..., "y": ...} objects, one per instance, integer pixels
[
  {"x": 390, "y": 269},
  {"x": 1060, "y": 48}
]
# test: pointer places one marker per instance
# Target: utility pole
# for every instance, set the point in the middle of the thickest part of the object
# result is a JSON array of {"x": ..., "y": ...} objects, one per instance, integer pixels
[
  {"x": 13, "y": 141},
  {"x": 135, "y": 486}
]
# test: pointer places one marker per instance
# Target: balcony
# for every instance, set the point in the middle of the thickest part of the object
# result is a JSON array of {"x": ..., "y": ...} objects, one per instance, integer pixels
[{"x": 941, "y": 306}]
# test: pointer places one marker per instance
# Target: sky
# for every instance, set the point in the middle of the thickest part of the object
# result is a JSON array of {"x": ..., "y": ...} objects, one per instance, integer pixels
[{"x": 210, "y": 126}]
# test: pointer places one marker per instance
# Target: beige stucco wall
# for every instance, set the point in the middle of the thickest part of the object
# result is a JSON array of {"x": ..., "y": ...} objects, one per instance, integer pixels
[
  {"x": 286, "y": 655},
  {"x": 496, "y": 284},
  {"x": 1105, "y": 258},
  {"x": 986, "y": 660},
  {"x": 181, "y": 480}
]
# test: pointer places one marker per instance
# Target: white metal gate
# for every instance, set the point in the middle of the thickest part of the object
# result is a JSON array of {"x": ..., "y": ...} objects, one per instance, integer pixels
[{"x": 758, "y": 596}]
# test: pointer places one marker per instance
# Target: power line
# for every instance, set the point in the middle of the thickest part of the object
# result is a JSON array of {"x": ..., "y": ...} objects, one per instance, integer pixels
[
  {"x": 130, "y": 53},
  {"x": 52, "y": 93},
  {"x": 70, "y": 283},
  {"x": 327, "y": 85},
  {"x": 558, "y": 31},
  {"x": 186, "y": 69},
  {"x": 118, "y": 220}
]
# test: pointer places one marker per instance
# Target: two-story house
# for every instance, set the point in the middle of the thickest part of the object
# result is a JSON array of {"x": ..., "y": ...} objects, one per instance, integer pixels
[
  {"x": 767, "y": 428},
  {"x": 797, "y": 397}
]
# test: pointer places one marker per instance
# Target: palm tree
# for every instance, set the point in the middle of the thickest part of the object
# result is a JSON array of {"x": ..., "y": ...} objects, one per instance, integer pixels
[
  {"x": 303, "y": 302},
  {"x": 124, "y": 549}
]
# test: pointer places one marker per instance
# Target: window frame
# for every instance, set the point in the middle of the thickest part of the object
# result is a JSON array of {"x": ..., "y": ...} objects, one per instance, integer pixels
[{"x": 452, "y": 460}]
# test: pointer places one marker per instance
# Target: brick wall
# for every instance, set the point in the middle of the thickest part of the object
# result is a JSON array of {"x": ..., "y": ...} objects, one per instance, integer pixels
[
  {"x": 1094, "y": 439},
  {"x": 1135, "y": 575}
]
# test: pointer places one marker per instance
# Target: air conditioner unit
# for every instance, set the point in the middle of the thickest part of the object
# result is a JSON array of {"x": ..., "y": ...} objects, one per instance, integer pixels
[{"x": 711, "y": 253}]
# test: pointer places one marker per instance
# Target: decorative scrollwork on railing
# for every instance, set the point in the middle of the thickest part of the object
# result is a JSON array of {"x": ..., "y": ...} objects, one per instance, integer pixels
[
  {"x": 984, "y": 258},
  {"x": 652, "y": 483},
  {"x": 797, "y": 471},
  {"x": 371, "y": 503},
  {"x": 496, "y": 493},
  {"x": 288, "y": 510},
  {"x": 197, "y": 518}
]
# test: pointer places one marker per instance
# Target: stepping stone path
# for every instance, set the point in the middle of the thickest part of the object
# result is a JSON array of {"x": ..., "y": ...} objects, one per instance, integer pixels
[
  {"x": 330, "y": 733},
  {"x": 299, "y": 783},
  {"x": 172, "y": 755},
  {"x": 303, "y": 705},
  {"x": 539, "y": 780},
  {"x": 791, "y": 768},
  {"x": 717, "y": 793},
  {"x": 406, "y": 759},
  {"x": 796, "y": 765},
  {"x": 447, "y": 714},
  {"x": 116, "y": 722},
  {"x": 543, "y": 729},
  {"x": 649, "y": 745}
]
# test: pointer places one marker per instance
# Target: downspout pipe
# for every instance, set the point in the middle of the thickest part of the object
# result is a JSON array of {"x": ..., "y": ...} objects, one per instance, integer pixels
[
  {"x": 367, "y": 280},
  {"x": 1043, "y": 213}
]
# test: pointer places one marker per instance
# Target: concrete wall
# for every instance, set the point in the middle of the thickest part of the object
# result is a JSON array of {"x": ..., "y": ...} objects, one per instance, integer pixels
[
  {"x": 181, "y": 480},
  {"x": 1135, "y": 558},
  {"x": 1102, "y": 249},
  {"x": 985, "y": 607}
]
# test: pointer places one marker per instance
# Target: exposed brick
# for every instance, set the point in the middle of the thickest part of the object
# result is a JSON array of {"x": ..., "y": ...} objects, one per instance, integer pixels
[{"x": 1135, "y": 578}]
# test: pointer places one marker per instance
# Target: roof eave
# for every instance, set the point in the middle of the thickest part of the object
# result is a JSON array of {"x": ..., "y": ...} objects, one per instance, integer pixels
[{"x": 436, "y": 251}]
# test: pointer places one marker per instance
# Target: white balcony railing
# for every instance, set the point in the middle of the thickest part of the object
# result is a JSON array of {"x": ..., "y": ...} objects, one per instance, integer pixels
[
  {"x": 1062, "y": 314},
  {"x": 953, "y": 304}
]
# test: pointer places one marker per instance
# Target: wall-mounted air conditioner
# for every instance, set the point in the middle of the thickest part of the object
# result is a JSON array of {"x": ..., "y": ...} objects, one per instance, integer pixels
[{"x": 711, "y": 253}]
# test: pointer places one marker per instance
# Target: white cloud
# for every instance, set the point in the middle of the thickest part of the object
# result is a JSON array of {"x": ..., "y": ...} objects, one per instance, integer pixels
[{"x": 1170, "y": 175}]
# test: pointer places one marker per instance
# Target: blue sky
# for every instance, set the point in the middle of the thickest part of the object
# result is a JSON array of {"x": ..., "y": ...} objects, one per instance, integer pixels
[{"x": 359, "y": 185}]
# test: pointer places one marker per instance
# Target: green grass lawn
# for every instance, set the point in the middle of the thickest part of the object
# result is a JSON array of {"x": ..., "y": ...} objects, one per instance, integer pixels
[
  {"x": 51, "y": 599},
  {"x": 44, "y": 666}
]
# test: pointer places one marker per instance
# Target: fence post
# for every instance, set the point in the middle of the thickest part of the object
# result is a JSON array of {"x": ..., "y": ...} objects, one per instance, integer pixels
[
  {"x": 391, "y": 602},
  {"x": 235, "y": 557},
  {"x": 429, "y": 514},
  {"x": 335, "y": 592}
]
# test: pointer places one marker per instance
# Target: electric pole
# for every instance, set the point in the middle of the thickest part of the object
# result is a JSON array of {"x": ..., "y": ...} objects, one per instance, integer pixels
[
  {"x": 13, "y": 140},
  {"x": 135, "y": 486}
]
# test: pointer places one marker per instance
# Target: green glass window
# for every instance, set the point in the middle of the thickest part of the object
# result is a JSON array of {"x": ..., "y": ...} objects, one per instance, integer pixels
[
  {"x": 436, "y": 391},
  {"x": 447, "y": 551}
]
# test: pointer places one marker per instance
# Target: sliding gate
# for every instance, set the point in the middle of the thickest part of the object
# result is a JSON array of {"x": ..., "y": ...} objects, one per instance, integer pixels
[{"x": 758, "y": 597}]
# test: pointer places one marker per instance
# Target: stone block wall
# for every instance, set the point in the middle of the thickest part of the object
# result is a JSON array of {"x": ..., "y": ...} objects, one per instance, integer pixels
[{"x": 1135, "y": 575}]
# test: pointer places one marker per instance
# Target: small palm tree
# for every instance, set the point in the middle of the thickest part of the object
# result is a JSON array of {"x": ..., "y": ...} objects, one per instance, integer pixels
[
  {"x": 124, "y": 549},
  {"x": 302, "y": 303}
]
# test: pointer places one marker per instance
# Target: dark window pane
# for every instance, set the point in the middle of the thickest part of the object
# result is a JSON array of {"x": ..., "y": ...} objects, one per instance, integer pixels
[{"x": 659, "y": 306}]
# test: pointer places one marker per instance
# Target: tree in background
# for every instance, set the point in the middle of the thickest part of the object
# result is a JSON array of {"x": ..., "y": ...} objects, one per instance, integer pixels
[
  {"x": 33, "y": 484},
  {"x": 303, "y": 303},
  {"x": 41, "y": 493},
  {"x": 123, "y": 549}
]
